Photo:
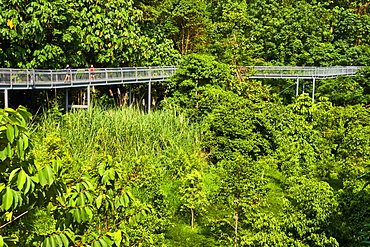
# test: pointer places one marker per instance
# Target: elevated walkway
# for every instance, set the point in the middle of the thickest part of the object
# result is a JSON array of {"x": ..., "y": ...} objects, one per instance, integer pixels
[
  {"x": 299, "y": 73},
  {"x": 24, "y": 79},
  {"x": 29, "y": 79},
  {"x": 310, "y": 73}
]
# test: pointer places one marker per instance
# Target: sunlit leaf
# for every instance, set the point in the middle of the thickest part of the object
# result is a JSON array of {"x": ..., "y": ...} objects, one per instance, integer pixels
[
  {"x": 64, "y": 239},
  {"x": 103, "y": 243},
  {"x": 41, "y": 177},
  {"x": 22, "y": 178},
  {"x": 10, "y": 133},
  {"x": 7, "y": 199},
  {"x": 1, "y": 241},
  {"x": 99, "y": 200},
  {"x": 58, "y": 240},
  {"x": 13, "y": 173}
]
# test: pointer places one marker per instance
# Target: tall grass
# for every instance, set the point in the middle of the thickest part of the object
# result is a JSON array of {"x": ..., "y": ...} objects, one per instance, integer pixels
[{"x": 126, "y": 133}]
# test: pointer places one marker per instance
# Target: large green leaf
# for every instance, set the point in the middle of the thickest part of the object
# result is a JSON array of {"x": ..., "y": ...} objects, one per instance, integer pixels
[
  {"x": 52, "y": 241},
  {"x": 99, "y": 200},
  {"x": 42, "y": 178},
  {"x": 10, "y": 150},
  {"x": 22, "y": 178},
  {"x": 28, "y": 184},
  {"x": 96, "y": 244},
  {"x": 10, "y": 133},
  {"x": 84, "y": 215},
  {"x": 25, "y": 141},
  {"x": 12, "y": 174},
  {"x": 7, "y": 199},
  {"x": 89, "y": 213},
  {"x": 76, "y": 215},
  {"x": 46, "y": 243},
  {"x": 1, "y": 241},
  {"x": 16, "y": 131},
  {"x": 58, "y": 240},
  {"x": 116, "y": 236},
  {"x": 81, "y": 199},
  {"x": 20, "y": 148},
  {"x": 3, "y": 154},
  {"x": 103, "y": 243},
  {"x": 2, "y": 187},
  {"x": 64, "y": 239},
  {"x": 49, "y": 174}
]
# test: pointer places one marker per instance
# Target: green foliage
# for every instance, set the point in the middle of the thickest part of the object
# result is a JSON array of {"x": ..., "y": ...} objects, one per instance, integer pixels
[
  {"x": 237, "y": 168},
  {"x": 24, "y": 184},
  {"x": 196, "y": 73},
  {"x": 44, "y": 34},
  {"x": 261, "y": 173},
  {"x": 84, "y": 208},
  {"x": 344, "y": 91},
  {"x": 202, "y": 84},
  {"x": 193, "y": 192},
  {"x": 127, "y": 155}
]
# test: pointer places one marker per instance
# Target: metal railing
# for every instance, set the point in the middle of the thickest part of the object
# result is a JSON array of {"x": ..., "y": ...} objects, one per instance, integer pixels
[
  {"x": 298, "y": 72},
  {"x": 47, "y": 79}
]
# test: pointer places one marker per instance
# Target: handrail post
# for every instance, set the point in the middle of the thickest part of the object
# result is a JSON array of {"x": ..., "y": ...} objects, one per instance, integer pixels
[
  {"x": 51, "y": 78},
  {"x": 70, "y": 76},
  {"x": 28, "y": 76},
  {"x": 89, "y": 76},
  {"x": 106, "y": 76},
  {"x": 11, "y": 78},
  {"x": 33, "y": 78}
]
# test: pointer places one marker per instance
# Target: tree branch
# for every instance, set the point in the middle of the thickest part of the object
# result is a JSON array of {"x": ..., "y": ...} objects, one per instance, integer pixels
[{"x": 26, "y": 212}]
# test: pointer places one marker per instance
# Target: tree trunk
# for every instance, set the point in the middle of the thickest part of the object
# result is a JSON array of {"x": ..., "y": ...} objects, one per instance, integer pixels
[
  {"x": 236, "y": 229},
  {"x": 192, "y": 218}
]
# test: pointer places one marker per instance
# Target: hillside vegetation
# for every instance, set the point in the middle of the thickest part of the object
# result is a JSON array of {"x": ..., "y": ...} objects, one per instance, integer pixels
[
  {"x": 231, "y": 172},
  {"x": 221, "y": 160}
]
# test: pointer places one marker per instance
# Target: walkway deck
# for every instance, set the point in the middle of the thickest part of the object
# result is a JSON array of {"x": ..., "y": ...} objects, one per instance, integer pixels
[{"x": 23, "y": 79}]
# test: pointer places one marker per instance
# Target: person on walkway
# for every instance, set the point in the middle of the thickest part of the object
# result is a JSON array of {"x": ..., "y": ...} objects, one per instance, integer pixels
[
  {"x": 68, "y": 70},
  {"x": 92, "y": 72}
]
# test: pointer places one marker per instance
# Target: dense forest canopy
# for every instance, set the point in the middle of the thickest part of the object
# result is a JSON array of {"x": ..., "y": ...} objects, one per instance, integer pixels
[
  {"x": 223, "y": 160},
  {"x": 50, "y": 34}
]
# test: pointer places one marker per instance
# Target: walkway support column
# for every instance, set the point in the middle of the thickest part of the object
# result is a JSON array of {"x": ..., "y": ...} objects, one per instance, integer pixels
[
  {"x": 297, "y": 88},
  {"x": 88, "y": 96},
  {"x": 130, "y": 95},
  {"x": 6, "y": 98},
  {"x": 67, "y": 106},
  {"x": 149, "y": 95},
  {"x": 313, "y": 90}
]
